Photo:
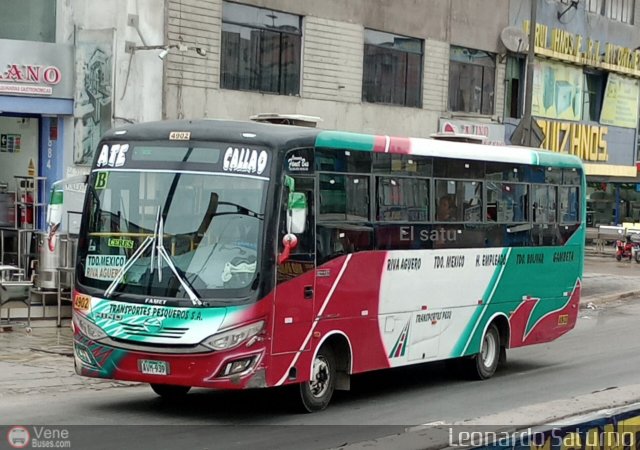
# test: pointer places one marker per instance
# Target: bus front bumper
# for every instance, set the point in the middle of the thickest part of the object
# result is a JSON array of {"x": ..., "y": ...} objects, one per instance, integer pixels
[{"x": 239, "y": 368}]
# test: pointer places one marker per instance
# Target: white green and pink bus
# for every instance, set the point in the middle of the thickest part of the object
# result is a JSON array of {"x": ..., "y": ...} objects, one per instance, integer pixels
[{"x": 238, "y": 255}]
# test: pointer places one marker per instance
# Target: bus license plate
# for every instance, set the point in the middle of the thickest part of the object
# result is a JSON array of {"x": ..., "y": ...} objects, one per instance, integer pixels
[{"x": 151, "y": 367}]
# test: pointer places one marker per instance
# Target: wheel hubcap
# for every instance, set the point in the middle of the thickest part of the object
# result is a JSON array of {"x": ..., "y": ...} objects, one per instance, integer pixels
[
  {"x": 320, "y": 380},
  {"x": 489, "y": 350}
]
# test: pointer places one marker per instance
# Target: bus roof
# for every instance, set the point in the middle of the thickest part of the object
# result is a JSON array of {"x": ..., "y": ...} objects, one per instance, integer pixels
[
  {"x": 446, "y": 149},
  {"x": 218, "y": 130},
  {"x": 276, "y": 135}
]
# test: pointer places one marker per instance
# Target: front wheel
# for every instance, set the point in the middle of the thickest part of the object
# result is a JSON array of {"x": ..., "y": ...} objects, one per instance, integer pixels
[
  {"x": 484, "y": 364},
  {"x": 170, "y": 391},
  {"x": 638, "y": 256},
  {"x": 316, "y": 393},
  {"x": 618, "y": 257}
]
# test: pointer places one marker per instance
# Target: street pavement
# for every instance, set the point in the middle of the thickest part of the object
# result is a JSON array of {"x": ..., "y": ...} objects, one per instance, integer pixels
[{"x": 40, "y": 361}]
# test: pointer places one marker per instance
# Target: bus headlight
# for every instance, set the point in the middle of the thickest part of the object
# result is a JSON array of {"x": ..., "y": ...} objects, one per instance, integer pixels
[
  {"x": 88, "y": 328},
  {"x": 234, "y": 337}
]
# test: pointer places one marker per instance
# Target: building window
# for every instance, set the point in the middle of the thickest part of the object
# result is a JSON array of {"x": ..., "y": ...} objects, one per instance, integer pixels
[
  {"x": 620, "y": 10},
  {"x": 261, "y": 50},
  {"x": 594, "y": 6},
  {"x": 514, "y": 95},
  {"x": 28, "y": 20},
  {"x": 593, "y": 95},
  {"x": 392, "y": 69},
  {"x": 472, "y": 75}
]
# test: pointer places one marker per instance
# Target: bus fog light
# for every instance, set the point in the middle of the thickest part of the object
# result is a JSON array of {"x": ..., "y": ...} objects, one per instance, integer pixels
[
  {"x": 85, "y": 355},
  {"x": 237, "y": 366}
]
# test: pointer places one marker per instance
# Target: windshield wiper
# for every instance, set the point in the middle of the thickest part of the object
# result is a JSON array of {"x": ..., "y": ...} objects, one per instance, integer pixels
[
  {"x": 240, "y": 210},
  {"x": 157, "y": 245},
  {"x": 136, "y": 255},
  {"x": 162, "y": 253}
]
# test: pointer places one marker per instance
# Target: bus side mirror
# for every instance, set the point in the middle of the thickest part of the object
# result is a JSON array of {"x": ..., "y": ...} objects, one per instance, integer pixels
[{"x": 296, "y": 213}]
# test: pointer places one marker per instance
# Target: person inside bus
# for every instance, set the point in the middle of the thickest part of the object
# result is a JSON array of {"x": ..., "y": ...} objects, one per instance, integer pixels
[{"x": 446, "y": 209}]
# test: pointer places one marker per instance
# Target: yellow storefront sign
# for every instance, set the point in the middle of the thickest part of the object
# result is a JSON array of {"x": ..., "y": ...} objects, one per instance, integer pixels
[{"x": 582, "y": 140}]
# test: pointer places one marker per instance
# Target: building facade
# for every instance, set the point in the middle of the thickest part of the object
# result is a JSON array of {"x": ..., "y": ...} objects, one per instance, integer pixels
[
  {"x": 65, "y": 78},
  {"x": 380, "y": 67},
  {"x": 585, "y": 94},
  {"x": 70, "y": 70}
]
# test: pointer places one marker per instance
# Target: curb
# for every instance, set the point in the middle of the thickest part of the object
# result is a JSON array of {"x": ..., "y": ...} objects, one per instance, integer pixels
[
  {"x": 604, "y": 299},
  {"x": 438, "y": 435}
]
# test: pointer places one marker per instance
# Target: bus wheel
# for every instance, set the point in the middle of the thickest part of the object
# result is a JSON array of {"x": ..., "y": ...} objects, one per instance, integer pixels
[
  {"x": 170, "y": 391},
  {"x": 316, "y": 393},
  {"x": 484, "y": 364}
]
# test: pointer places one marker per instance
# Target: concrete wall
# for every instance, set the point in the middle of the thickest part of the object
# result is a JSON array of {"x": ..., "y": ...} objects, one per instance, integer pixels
[
  {"x": 333, "y": 43},
  {"x": 137, "y": 78}
]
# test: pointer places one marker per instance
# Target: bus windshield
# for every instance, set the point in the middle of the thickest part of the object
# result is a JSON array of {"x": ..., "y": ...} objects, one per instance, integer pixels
[{"x": 172, "y": 233}]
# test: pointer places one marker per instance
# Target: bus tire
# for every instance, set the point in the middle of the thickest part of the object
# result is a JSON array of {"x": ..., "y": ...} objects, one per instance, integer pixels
[
  {"x": 170, "y": 391},
  {"x": 316, "y": 393},
  {"x": 484, "y": 364}
]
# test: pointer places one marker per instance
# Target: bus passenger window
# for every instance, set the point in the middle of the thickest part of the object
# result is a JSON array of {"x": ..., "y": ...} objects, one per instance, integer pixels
[
  {"x": 402, "y": 199},
  {"x": 344, "y": 197}
]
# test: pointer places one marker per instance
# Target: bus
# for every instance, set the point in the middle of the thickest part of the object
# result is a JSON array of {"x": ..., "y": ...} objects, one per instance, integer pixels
[{"x": 238, "y": 255}]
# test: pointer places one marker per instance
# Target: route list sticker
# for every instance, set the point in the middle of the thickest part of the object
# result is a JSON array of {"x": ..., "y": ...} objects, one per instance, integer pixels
[{"x": 104, "y": 267}]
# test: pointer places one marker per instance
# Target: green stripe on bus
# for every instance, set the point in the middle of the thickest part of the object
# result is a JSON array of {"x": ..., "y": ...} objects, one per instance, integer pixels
[
  {"x": 351, "y": 141},
  {"x": 465, "y": 342},
  {"x": 558, "y": 160}
]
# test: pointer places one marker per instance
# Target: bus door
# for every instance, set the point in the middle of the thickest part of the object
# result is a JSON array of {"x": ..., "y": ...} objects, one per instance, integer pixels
[{"x": 295, "y": 292}]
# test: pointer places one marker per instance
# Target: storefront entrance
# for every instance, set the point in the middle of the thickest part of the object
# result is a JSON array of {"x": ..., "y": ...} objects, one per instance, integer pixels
[{"x": 19, "y": 151}]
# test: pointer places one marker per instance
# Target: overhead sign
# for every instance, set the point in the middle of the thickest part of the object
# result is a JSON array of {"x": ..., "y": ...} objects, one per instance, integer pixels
[
  {"x": 492, "y": 131},
  {"x": 36, "y": 69},
  {"x": 574, "y": 48},
  {"x": 29, "y": 79},
  {"x": 588, "y": 142},
  {"x": 595, "y": 144}
]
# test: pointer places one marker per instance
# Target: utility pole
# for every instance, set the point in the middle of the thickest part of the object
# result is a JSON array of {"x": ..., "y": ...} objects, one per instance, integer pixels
[{"x": 528, "y": 95}]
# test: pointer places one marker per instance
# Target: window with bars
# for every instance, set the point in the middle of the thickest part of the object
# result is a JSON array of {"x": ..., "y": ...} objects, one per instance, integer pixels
[
  {"x": 620, "y": 10},
  {"x": 392, "y": 69},
  {"x": 261, "y": 50},
  {"x": 471, "y": 81}
]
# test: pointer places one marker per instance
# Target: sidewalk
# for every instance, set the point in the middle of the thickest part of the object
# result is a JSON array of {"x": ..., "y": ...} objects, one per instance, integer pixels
[
  {"x": 607, "y": 280},
  {"x": 41, "y": 361}
]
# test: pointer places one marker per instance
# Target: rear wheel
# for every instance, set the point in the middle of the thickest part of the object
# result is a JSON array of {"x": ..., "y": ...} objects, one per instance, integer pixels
[
  {"x": 484, "y": 364},
  {"x": 170, "y": 391},
  {"x": 316, "y": 393}
]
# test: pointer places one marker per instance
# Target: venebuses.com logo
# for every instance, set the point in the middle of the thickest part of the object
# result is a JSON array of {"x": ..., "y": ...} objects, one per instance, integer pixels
[
  {"x": 38, "y": 437},
  {"x": 18, "y": 437}
]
